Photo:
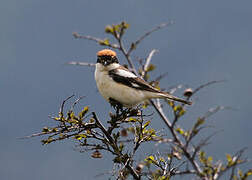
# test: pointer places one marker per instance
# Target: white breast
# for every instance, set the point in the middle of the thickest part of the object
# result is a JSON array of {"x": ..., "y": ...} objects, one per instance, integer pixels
[{"x": 110, "y": 89}]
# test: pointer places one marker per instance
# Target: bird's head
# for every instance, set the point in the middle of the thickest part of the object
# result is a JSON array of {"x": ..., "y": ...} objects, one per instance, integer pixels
[{"x": 106, "y": 57}]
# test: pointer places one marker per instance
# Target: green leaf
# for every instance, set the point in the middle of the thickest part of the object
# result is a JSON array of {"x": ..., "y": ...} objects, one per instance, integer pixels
[
  {"x": 83, "y": 112},
  {"x": 248, "y": 173},
  {"x": 117, "y": 27},
  {"x": 121, "y": 146},
  {"x": 161, "y": 159},
  {"x": 145, "y": 104},
  {"x": 72, "y": 116},
  {"x": 202, "y": 157},
  {"x": 47, "y": 141},
  {"x": 125, "y": 25},
  {"x": 54, "y": 130},
  {"x": 109, "y": 29},
  {"x": 240, "y": 173},
  {"x": 131, "y": 119},
  {"x": 146, "y": 124},
  {"x": 163, "y": 178},
  {"x": 182, "y": 112},
  {"x": 180, "y": 131},
  {"x": 91, "y": 120},
  {"x": 177, "y": 108},
  {"x": 73, "y": 121},
  {"x": 56, "y": 118},
  {"x": 171, "y": 103},
  {"x": 235, "y": 177},
  {"x": 210, "y": 159},
  {"x": 79, "y": 136},
  {"x": 151, "y": 67},
  {"x": 199, "y": 122},
  {"x": 151, "y": 158},
  {"x": 104, "y": 42},
  {"x": 45, "y": 130},
  {"x": 229, "y": 158},
  {"x": 60, "y": 115}
]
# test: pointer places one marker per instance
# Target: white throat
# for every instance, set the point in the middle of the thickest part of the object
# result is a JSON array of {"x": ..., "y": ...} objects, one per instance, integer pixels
[{"x": 100, "y": 67}]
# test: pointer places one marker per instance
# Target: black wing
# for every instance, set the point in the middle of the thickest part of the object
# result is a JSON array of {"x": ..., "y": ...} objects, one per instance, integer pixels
[{"x": 134, "y": 82}]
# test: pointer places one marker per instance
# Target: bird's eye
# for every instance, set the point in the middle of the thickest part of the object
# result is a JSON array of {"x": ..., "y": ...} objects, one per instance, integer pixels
[{"x": 104, "y": 62}]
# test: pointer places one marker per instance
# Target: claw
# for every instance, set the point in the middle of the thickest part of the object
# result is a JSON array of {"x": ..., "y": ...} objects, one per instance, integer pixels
[{"x": 116, "y": 105}]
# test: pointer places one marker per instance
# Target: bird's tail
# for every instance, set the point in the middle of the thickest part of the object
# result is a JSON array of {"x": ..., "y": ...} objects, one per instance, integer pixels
[{"x": 174, "y": 98}]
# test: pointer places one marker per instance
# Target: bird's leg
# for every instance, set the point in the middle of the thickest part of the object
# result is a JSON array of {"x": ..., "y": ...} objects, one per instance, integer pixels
[{"x": 116, "y": 105}]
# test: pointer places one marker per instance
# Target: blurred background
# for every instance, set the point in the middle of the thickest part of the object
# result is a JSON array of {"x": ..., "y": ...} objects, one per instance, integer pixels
[{"x": 210, "y": 40}]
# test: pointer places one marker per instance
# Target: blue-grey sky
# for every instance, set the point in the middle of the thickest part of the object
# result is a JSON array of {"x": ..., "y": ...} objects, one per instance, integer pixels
[{"x": 210, "y": 40}]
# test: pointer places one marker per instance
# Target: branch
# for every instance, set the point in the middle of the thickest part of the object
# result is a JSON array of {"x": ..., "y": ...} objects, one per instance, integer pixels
[
  {"x": 161, "y": 76},
  {"x": 205, "y": 85},
  {"x": 125, "y": 53},
  {"x": 148, "y": 60},
  {"x": 161, "y": 114},
  {"x": 109, "y": 137},
  {"x": 114, "y": 146},
  {"x": 134, "y": 44},
  {"x": 69, "y": 129},
  {"x": 212, "y": 111},
  {"x": 63, "y": 104},
  {"x": 80, "y": 63},
  {"x": 236, "y": 162},
  {"x": 176, "y": 138},
  {"x": 97, "y": 40}
]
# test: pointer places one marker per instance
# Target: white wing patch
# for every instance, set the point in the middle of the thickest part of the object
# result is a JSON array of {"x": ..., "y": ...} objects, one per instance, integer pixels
[
  {"x": 125, "y": 73},
  {"x": 135, "y": 85}
]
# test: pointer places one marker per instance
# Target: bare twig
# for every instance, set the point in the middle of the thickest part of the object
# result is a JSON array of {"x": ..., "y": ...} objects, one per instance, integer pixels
[
  {"x": 134, "y": 44},
  {"x": 97, "y": 40},
  {"x": 161, "y": 114},
  {"x": 126, "y": 54},
  {"x": 148, "y": 60},
  {"x": 138, "y": 136},
  {"x": 161, "y": 76},
  {"x": 109, "y": 137},
  {"x": 212, "y": 111},
  {"x": 184, "y": 172},
  {"x": 81, "y": 63},
  {"x": 34, "y": 135},
  {"x": 207, "y": 84},
  {"x": 63, "y": 104},
  {"x": 87, "y": 126},
  {"x": 75, "y": 102}
]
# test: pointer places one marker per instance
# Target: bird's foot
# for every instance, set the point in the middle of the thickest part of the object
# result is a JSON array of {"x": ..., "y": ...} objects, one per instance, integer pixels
[{"x": 116, "y": 105}]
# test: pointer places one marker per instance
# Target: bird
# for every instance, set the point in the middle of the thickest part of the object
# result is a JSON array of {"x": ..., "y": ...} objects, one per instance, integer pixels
[{"x": 119, "y": 86}]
